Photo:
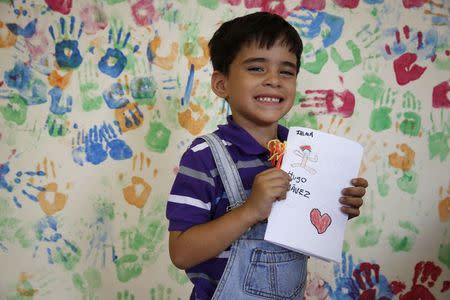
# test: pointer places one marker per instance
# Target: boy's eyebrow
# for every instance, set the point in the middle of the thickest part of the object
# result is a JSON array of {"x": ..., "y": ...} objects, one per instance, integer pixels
[{"x": 262, "y": 59}]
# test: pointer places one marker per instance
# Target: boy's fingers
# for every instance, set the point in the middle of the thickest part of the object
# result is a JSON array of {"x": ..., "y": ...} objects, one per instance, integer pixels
[
  {"x": 351, "y": 212},
  {"x": 360, "y": 182},
  {"x": 351, "y": 201},
  {"x": 356, "y": 191},
  {"x": 273, "y": 173}
]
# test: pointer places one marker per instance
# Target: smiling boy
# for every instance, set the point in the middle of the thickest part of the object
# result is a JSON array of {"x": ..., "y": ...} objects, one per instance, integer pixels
[{"x": 216, "y": 233}]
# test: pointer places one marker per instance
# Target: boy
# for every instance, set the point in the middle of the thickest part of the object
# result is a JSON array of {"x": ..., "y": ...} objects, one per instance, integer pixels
[{"x": 215, "y": 236}]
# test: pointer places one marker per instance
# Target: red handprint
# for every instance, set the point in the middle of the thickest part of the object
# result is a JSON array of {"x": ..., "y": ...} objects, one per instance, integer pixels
[
  {"x": 414, "y": 3},
  {"x": 272, "y": 6},
  {"x": 368, "y": 279},
  {"x": 313, "y": 4},
  {"x": 405, "y": 69},
  {"x": 425, "y": 276},
  {"x": 440, "y": 95},
  {"x": 61, "y": 6},
  {"x": 347, "y": 3},
  {"x": 404, "y": 65},
  {"x": 330, "y": 102}
]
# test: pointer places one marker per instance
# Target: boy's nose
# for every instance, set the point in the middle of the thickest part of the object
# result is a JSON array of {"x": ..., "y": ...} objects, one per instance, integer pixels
[{"x": 272, "y": 79}]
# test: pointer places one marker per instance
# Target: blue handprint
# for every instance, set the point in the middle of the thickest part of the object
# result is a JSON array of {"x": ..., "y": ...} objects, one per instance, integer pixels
[
  {"x": 22, "y": 9},
  {"x": 115, "y": 97},
  {"x": 114, "y": 61},
  {"x": 10, "y": 187},
  {"x": 27, "y": 31},
  {"x": 409, "y": 40},
  {"x": 143, "y": 90},
  {"x": 66, "y": 51},
  {"x": 56, "y": 107},
  {"x": 95, "y": 153},
  {"x": 345, "y": 286},
  {"x": 362, "y": 281},
  {"x": 98, "y": 144},
  {"x": 309, "y": 24},
  {"x": 20, "y": 78},
  {"x": 59, "y": 249}
]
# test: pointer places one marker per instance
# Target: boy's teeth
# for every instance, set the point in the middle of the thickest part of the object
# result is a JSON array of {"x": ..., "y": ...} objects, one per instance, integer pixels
[{"x": 268, "y": 99}]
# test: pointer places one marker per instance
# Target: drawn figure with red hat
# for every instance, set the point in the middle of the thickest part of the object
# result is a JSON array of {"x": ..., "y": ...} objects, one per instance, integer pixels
[{"x": 305, "y": 153}]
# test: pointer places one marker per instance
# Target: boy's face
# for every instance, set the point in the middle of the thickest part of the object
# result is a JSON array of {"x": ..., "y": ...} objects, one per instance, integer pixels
[{"x": 261, "y": 85}]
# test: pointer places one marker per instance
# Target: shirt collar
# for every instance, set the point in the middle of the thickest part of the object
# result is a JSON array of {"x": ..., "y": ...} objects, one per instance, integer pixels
[{"x": 238, "y": 136}]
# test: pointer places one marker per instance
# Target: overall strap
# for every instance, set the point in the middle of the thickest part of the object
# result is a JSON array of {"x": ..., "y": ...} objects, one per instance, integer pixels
[{"x": 227, "y": 170}]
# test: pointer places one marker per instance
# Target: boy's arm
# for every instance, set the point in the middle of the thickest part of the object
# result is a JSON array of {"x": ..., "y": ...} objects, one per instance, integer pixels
[{"x": 205, "y": 241}]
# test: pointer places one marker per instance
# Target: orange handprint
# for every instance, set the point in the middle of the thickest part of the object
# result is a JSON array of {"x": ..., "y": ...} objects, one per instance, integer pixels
[
  {"x": 138, "y": 191},
  {"x": 193, "y": 119},
  {"x": 50, "y": 199}
]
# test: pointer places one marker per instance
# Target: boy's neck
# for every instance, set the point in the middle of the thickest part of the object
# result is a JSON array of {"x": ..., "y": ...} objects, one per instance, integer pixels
[{"x": 262, "y": 134}]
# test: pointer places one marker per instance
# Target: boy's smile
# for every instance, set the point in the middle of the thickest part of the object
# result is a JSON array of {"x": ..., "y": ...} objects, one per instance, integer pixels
[{"x": 260, "y": 86}]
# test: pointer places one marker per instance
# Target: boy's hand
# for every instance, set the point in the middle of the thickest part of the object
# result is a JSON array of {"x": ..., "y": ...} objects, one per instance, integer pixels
[
  {"x": 352, "y": 197},
  {"x": 268, "y": 186}
]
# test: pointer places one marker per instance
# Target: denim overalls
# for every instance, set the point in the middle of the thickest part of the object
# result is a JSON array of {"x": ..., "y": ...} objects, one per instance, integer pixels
[{"x": 256, "y": 269}]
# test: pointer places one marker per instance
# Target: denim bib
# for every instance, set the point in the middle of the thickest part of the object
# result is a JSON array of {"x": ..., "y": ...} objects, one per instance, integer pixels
[{"x": 256, "y": 269}]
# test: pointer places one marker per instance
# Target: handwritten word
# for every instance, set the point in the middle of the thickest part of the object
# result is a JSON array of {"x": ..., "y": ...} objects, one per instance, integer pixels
[
  {"x": 297, "y": 179},
  {"x": 299, "y": 191},
  {"x": 303, "y": 133}
]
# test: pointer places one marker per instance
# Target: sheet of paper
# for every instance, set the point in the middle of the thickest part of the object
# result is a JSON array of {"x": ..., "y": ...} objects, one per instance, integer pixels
[{"x": 309, "y": 220}]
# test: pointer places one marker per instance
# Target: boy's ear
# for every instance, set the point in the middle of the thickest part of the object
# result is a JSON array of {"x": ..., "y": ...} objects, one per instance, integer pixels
[{"x": 219, "y": 84}]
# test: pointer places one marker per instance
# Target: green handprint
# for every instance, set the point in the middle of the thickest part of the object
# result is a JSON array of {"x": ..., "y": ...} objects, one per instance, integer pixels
[
  {"x": 320, "y": 58},
  {"x": 88, "y": 283},
  {"x": 112, "y": 2},
  {"x": 125, "y": 295},
  {"x": 68, "y": 256},
  {"x": 57, "y": 125},
  {"x": 303, "y": 119},
  {"x": 345, "y": 65},
  {"x": 161, "y": 293},
  {"x": 91, "y": 98},
  {"x": 15, "y": 109},
  {"x": 444, "y": 254},
  {"x": 11, "y": 229},
  {"x": 141, "y": 244},
  {"x": 411, "y": 124},
  {"x": 438, "y": 140},
  {"x": 157, "y": 137},
  {"x": 143, "y": 85},
  {"x": 128, "y": 267},
  {"x": 408, "y": 182},
  {"x": 370, "y": 235},
  {"x": 382, "y": 183},
  {"x": 442, "y": 58},
  {"x": 372, "y": 87},
  {"x": 403, "y": 242},
  {"x": 380, "y": 118}
]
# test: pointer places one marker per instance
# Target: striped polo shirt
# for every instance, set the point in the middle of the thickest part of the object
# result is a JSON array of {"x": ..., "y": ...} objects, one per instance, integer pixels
[{"x": 198, "y": 196}]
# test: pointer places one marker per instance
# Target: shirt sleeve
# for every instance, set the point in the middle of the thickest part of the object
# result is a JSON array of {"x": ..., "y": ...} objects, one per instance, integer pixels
[{"x": 194, "y": 188}]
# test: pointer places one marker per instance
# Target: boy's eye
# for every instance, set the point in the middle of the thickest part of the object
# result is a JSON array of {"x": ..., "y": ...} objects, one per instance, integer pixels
[
  {"x": 287, "y": 73},
  {"x": 255, "y": 69}
]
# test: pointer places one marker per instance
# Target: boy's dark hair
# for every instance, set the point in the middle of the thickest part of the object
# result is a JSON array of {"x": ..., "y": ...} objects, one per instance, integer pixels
[{"x": 261, "y": 27}]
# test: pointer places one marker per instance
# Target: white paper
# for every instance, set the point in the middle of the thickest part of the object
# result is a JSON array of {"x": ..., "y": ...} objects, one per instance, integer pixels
[{"x": 309, "y": 220}]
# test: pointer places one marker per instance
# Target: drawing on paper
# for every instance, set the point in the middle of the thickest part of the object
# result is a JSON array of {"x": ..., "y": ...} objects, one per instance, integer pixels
[
  {"x": 305, "y": 153},
  {"x": 320, "y": 221}
]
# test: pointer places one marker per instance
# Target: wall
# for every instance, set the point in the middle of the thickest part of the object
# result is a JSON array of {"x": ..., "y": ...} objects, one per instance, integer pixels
[{"x": 98, "y": 100}]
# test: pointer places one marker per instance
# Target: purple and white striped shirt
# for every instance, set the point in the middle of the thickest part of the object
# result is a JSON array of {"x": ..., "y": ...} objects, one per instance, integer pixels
[{"x": 198, "y": 195}]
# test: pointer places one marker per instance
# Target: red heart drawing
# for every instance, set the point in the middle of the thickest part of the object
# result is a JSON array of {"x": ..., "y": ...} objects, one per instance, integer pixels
[{"x": 321, "y": 222}]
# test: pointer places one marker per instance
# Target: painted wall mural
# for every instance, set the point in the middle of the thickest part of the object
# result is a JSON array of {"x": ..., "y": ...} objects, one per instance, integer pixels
[{"x": 99, "y": 99}]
